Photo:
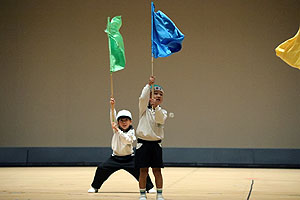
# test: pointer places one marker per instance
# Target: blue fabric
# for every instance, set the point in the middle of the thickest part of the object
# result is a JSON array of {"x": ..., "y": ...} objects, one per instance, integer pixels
[{"x": 166, "y": 37}]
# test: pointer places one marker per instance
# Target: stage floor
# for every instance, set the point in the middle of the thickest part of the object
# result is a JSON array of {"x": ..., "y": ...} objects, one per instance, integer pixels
[{"x": 72, "y": 183}]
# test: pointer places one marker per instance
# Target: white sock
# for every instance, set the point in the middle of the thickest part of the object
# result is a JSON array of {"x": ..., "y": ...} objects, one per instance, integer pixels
[
  {"x": 159, "y": 191},
  {"x": 143, "y": 192}
]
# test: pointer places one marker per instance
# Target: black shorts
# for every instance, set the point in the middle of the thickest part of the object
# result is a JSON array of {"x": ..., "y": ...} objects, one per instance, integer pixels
[{"x": 148, "y": 154}]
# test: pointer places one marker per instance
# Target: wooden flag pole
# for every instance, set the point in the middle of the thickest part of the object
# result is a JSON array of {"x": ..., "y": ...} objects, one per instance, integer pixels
[
  {"x": 112, "y": 96},
  {"x": 111, "y": 86},
  {"x": 152, "y": 70}
]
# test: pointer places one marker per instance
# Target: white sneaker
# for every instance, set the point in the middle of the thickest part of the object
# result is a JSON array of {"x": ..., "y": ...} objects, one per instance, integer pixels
[
  {"x": 92, "y": 190},
  {"x": 159, "y": 197},
  {"x": 143, "y": 197},
  {"x": 152, "y": 191}
]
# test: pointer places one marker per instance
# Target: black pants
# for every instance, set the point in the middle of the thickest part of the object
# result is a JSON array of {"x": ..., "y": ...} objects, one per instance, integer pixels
[{"x": 115, "y": 163}]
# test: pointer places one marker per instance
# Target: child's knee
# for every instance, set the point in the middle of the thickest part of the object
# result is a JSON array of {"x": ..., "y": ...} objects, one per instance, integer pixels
[
  {"x": 156, "y": 171},
  {"x": 144, "y": 171}
]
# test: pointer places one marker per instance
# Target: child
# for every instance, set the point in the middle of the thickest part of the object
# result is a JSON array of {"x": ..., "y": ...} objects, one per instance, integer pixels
[
  {"x": 122, "y": 157},
  {"x": 150, "y": 134}
]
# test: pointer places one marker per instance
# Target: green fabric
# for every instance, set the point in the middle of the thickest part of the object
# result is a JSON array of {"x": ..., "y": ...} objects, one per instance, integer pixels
[{"x": 115, "y": 43}]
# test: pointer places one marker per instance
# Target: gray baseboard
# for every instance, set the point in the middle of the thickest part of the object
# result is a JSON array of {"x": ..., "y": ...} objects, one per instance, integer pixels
[{"x": 174, "y": 157}]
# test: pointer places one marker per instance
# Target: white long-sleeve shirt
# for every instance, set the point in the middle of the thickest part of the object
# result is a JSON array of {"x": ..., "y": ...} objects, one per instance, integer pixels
[
  {"x": 151, "y": 122},
  {"x": 122, "y": 142}
]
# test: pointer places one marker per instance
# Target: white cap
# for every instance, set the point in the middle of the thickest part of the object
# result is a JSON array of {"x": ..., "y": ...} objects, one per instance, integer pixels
[{"x": 124, "y": 113}]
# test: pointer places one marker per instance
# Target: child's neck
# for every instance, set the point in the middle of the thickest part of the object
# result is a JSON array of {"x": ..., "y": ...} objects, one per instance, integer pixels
[
  {"x": 152, "y": 106},
  {"x": 125, "y": 130}
]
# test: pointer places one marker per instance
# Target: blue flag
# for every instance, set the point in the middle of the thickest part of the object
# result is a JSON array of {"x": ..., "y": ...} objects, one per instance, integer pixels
[{"x": 166, "y": 37}]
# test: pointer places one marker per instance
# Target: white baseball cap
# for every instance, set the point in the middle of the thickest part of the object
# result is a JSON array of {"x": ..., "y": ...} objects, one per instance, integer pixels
[{"x": 124, "y": 113}]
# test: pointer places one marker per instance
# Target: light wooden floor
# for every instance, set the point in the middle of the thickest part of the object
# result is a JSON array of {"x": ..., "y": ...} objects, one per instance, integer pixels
[{"x": 72, "y": 183}]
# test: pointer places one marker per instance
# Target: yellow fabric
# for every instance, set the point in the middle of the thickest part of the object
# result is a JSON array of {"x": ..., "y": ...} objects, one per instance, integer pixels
[{"x": 289, "y": 51}]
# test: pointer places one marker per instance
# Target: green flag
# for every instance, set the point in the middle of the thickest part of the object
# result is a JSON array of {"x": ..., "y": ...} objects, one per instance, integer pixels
[{"x": 115, "y": 43}]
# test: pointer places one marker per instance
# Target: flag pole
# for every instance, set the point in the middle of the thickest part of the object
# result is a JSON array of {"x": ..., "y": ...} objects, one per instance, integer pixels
[
  {"x": 152, "y": 73},
  {"x": 152, "y": 60},
  {"x": 111, "y": 86},
  {"x": 112, "y": 96},
  {"x": 152, "y": 69}
]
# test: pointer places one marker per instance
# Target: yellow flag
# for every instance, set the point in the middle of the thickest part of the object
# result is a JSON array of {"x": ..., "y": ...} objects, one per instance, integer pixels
[{"x": 289, "y": 51}]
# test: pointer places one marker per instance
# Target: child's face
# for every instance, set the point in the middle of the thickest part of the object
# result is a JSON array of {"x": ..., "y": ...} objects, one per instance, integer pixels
[
  {"x": 158, "y": 96},
  {"x": 124, "y": 123}
]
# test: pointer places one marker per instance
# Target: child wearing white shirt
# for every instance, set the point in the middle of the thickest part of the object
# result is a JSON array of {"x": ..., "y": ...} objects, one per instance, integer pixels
[
  {"x": 150, "y": 133},
  {"x": 123, "y": 154}
]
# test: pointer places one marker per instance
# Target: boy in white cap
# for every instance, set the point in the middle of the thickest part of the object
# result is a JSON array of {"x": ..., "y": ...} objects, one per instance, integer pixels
[
  {"x": 150, "y": 134},
  {"x": 123, "y": 154}
]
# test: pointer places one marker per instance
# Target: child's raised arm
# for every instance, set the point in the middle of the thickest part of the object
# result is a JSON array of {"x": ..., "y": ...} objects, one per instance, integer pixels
[
  {"x": 113, "y": 112},
  {"x": 145, "y": 96}
]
